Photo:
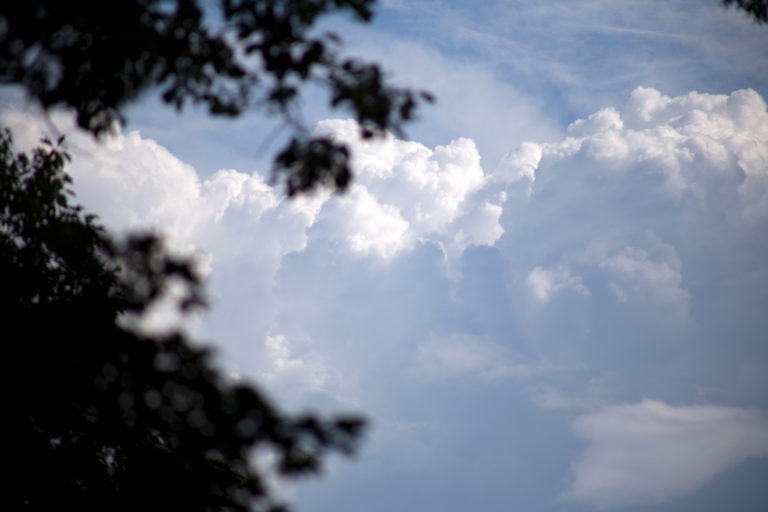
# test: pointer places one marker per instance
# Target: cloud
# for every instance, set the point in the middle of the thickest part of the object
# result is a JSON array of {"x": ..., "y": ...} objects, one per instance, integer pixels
[
  {"x": 520, "y": 164},
  {"x": 648, "y": 201},
  {"x": 242, "y": 229},
  {"x": 474, "y": 100},
  {"x": 133, "y": 182},
  {"x": 546, "y": 283},
  {"x": 660, "y": 279},
  {"x": 464, "y": 355},
  {"x": 406, "y": 193},
  {"x": 651, "y": 451},
  {"x": 431, "y": 270},
  {"x": 373, "y": 228},
  {"x": 704, "y": 147},
  {"x": 296, "y": 370}
]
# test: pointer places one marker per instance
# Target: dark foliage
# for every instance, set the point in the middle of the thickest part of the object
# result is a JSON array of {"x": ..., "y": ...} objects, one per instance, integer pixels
[
  {"x": 97, "y": 417},
  {"x": 96, "y": 56},
  {"x": 757, "y": 9}
]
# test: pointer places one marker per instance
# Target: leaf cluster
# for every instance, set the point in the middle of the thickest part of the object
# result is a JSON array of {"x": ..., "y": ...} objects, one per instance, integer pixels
[
  {"x": 99, "y": 417},
  {"x": 756, "y": 9},
  {"x": 235, "y": 55}
]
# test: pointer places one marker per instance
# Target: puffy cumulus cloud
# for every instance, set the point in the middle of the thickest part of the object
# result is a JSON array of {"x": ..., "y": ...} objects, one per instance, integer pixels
[
  {"x": 704, "y": 146},
  {"x": 242, "y": 229},
  {"x": 651, "y": 201},
  {"x": 479, "y": 225},
  {"x": 372, "y": 227},
  {"x": 133, "y": 182},
  {"x": 233, "y": 222},
  {"x": 651, "y": 451},
  {"x": 655, "y": 209},
  {"x": 406, "y": 193},
  {"x": 520, "y": 164},
  {"x": 646, "y": 204},
  {"x": 546, "y": 283}
]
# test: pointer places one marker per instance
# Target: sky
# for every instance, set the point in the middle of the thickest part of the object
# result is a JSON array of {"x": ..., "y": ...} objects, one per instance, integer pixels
[{"x": 551, "y": 296}]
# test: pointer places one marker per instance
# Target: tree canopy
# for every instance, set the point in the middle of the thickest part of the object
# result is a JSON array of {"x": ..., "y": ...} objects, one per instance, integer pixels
[
  {"x": 97, "y": 416},
  {"x": 100, "y": 416},
  {"x": 238, "y": 55},
  {"x": 756, "y": 9}
]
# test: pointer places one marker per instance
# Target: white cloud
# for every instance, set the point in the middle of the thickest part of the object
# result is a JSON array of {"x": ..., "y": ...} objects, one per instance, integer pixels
[
  {"x": 519, "y": 164},
  {"x": 294, "y": 370},
  {"x": 651, "y": 451},
  {"x": 133, "y": 182},
  {"x": 373, "y": 227},
  {"x": 297, "y": 301},
  {"x": 242, "y": 229},
  {"x": 405, "y": 192},
  {"x": 703, "y": 146},
  {"x": 545, "y": 283},
  {"x": 651, "y": 202},
  {"x": 659, "y": 279}
]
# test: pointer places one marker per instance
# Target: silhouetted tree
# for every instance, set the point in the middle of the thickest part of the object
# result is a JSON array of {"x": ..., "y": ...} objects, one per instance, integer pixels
[
  {"x": 97, "y": 417},
  {"x": 757, "y": 9},
  {"x": 96, "y": 56},
  {"x": 100, "y": 417}
]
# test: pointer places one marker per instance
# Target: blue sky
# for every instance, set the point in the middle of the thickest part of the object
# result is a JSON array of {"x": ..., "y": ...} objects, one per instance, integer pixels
[{"x": 551, "y": 297}]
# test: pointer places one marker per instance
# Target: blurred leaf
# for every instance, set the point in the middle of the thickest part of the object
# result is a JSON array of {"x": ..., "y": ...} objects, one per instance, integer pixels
[{"x": 99, "y": 417}]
